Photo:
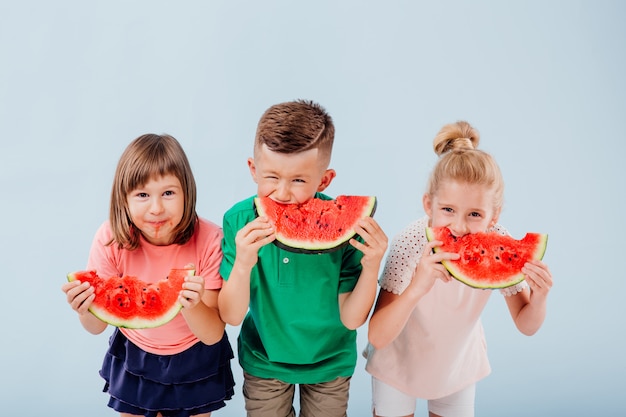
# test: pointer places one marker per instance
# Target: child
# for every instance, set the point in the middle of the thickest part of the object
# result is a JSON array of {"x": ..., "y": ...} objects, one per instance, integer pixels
[
  {"x": 182, "y": 368},
  {"x": 303, "y": 309},
  {"x": 426, "y": 338}
]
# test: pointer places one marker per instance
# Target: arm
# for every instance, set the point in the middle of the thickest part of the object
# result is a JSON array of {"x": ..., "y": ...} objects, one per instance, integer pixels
[
  {"x": 80, "y": 295},
  {"x": 234, "y": 298},
  {"x": 200, "y": 310},
  {"x": 355, "y": 306},
  {"x": 528, "y": 308},
  {"x": 392, "y": 311}
]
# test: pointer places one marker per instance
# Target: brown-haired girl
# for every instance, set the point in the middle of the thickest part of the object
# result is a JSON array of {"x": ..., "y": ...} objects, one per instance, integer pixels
[
  {"x": 181, "y": 368},
  {"x": 426, "y": 338}
]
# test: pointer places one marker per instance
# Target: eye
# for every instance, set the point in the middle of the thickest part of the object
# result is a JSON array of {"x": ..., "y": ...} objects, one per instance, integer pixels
[
  {"x": 142, "y": 195},
  {"x": 475, "y": 214},
  {"x": 168, "y": 193},
  {"x": 447, "y": 209},
  {"x": 299, "y": 180}
]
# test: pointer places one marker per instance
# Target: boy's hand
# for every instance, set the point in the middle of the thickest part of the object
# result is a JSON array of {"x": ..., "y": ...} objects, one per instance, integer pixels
[
  {"x": 375, "y": 242},
  {"x": 259, "y": 232}
]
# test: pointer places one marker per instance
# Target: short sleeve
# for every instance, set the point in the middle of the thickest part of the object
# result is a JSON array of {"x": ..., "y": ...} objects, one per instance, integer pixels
[
  {"x": 209, "y": 242},
  {"x": 404, "y": 254}
]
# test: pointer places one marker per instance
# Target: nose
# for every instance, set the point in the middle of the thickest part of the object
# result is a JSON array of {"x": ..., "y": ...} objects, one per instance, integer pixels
[
  {"x": 459, "y": 227},
  {"x": 156, "y": 206},
  {"x": 282, "y": 193}
]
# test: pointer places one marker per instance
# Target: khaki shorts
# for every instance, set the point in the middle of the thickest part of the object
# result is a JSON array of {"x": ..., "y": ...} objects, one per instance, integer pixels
[{"x": 274, "y": 398}]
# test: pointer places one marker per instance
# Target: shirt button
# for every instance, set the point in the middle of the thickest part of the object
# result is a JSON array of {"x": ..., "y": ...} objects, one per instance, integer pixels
[{"x": 285, "y": 260}]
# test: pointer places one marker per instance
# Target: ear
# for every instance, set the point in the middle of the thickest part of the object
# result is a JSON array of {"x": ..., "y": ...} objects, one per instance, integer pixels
[
  {"x": 427, "y": 202},
  {"x": 252, "y": 168},
  {"x": 496, "y": 216},
  {"x": 327, "y": 178}
]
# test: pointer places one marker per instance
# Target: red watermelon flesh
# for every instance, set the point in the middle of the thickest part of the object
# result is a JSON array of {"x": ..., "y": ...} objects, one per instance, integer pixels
[
  {"x": 318, "y": 225},
  {"x": 488, "y": 260},
  {"x": 130, "y": 302}
]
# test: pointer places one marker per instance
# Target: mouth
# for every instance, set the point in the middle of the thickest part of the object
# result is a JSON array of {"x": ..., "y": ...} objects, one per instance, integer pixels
[{"x": 157, "y": 224}]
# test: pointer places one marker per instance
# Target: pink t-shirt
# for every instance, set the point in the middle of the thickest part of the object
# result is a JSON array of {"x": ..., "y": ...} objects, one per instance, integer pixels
[
  {"x": 151, "y": 263},
  {"x": 442, "y": 348}
]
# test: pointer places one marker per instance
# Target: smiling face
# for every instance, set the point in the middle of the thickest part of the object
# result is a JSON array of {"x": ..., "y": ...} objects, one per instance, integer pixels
[
  {"x": 156, "y": 208},
  {"x": 289, "y": 177},
  {"x": 462, "y": 207}
]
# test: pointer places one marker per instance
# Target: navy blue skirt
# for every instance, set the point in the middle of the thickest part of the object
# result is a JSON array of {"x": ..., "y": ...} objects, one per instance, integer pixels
[{"x": 198, "y": 380}]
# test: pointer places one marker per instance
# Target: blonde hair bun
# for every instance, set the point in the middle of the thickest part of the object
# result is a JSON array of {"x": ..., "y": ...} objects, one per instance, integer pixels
[{"x": 456, "y": 136}]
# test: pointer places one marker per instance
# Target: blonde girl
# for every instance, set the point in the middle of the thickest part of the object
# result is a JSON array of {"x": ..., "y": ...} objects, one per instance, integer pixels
[{"x": 425, "y": 336}]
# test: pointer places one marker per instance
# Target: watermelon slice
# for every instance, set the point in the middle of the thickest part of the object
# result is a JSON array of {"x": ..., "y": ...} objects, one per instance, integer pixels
[
  {"x": 132, "y": 303},
  {"x": 488, "y": 260},
  {"x": 316, "y": 226}
]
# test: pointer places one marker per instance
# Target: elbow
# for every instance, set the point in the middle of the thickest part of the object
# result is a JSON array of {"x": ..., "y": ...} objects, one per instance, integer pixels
[
  {"x": 352, "y": 323},
  {"x": 212, "y": 338},
  {"x": 231, "y": 319},
  {"x": 528, "y": 331},
  {"x": 377, "y": 342}
]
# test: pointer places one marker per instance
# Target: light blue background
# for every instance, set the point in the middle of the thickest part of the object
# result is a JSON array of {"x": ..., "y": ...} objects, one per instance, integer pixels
[{"x": 543, "y": 81}]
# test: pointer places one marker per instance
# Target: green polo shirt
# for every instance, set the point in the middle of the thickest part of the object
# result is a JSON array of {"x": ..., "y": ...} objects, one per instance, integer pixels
[{"x": 292, "y": 331}]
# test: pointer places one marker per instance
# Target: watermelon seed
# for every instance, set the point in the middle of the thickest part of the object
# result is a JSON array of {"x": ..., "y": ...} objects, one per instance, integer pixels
[{"x": 497, "y": 258}]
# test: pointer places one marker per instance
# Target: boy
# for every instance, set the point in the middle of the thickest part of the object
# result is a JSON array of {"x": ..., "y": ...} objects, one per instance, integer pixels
[{"x": 302, "y": 310}]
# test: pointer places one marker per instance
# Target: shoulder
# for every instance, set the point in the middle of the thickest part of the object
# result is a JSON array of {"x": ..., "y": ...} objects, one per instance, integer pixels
[
  {"x": 104, "y": 233},
  {"x": 323, "y": 196},
  {"x": 498, "y": 228},
  {"x": 243, "y": 207},
  {"x": 413, "y": 232},
  {"x": 207, "y": 228}
]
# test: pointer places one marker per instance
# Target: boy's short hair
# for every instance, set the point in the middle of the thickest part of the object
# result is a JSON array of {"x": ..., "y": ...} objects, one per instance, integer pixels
[{"x": 294, "y": 127}]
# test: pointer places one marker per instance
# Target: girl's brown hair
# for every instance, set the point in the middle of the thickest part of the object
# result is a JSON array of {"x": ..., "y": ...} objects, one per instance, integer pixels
[
  {"x": 150, "y": 156},
  {"x": 459, "y": 160}
]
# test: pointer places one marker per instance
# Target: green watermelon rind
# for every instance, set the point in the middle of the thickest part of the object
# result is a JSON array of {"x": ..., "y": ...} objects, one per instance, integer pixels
[
  {"x": 513, "y": 279},
  {"x": 318, "y": 247},
  {"x": 136, "y": 323}
]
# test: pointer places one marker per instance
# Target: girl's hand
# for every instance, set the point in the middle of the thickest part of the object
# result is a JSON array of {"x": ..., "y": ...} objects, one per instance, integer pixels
[
  {"x": 539, "y": 279},
  {"x": 79, "y": 295},
  {"x": 192, "y": 291},
  {"x": 375, "y": 242},
  {"x": 429, "y": 269},
  {"x": 251, "y": 238}
]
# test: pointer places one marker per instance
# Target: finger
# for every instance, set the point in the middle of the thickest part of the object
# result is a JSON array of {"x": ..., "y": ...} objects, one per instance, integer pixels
[
  {"x": 78, "y": 289},
  {"x": 84, "y": 306}
]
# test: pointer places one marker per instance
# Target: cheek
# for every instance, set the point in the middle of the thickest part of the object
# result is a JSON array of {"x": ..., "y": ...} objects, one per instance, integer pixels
[
  {"x": 264, "y": 189},
  {"x": 438, "y": 220}
]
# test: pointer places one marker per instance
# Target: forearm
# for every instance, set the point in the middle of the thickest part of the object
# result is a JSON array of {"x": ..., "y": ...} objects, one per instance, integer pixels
[
  {"x": 234, "y": 298},
  {"x": 390, "y": 316},
  {"x": 205, "y": 322},
  {"x": 91, "y": 323},
  {"x": 531, "y": 317},
  {"x": 355, "y": 306}
]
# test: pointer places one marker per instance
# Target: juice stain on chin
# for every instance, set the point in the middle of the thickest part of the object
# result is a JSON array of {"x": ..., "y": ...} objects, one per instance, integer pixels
[{"x": 157, "y": 229}]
